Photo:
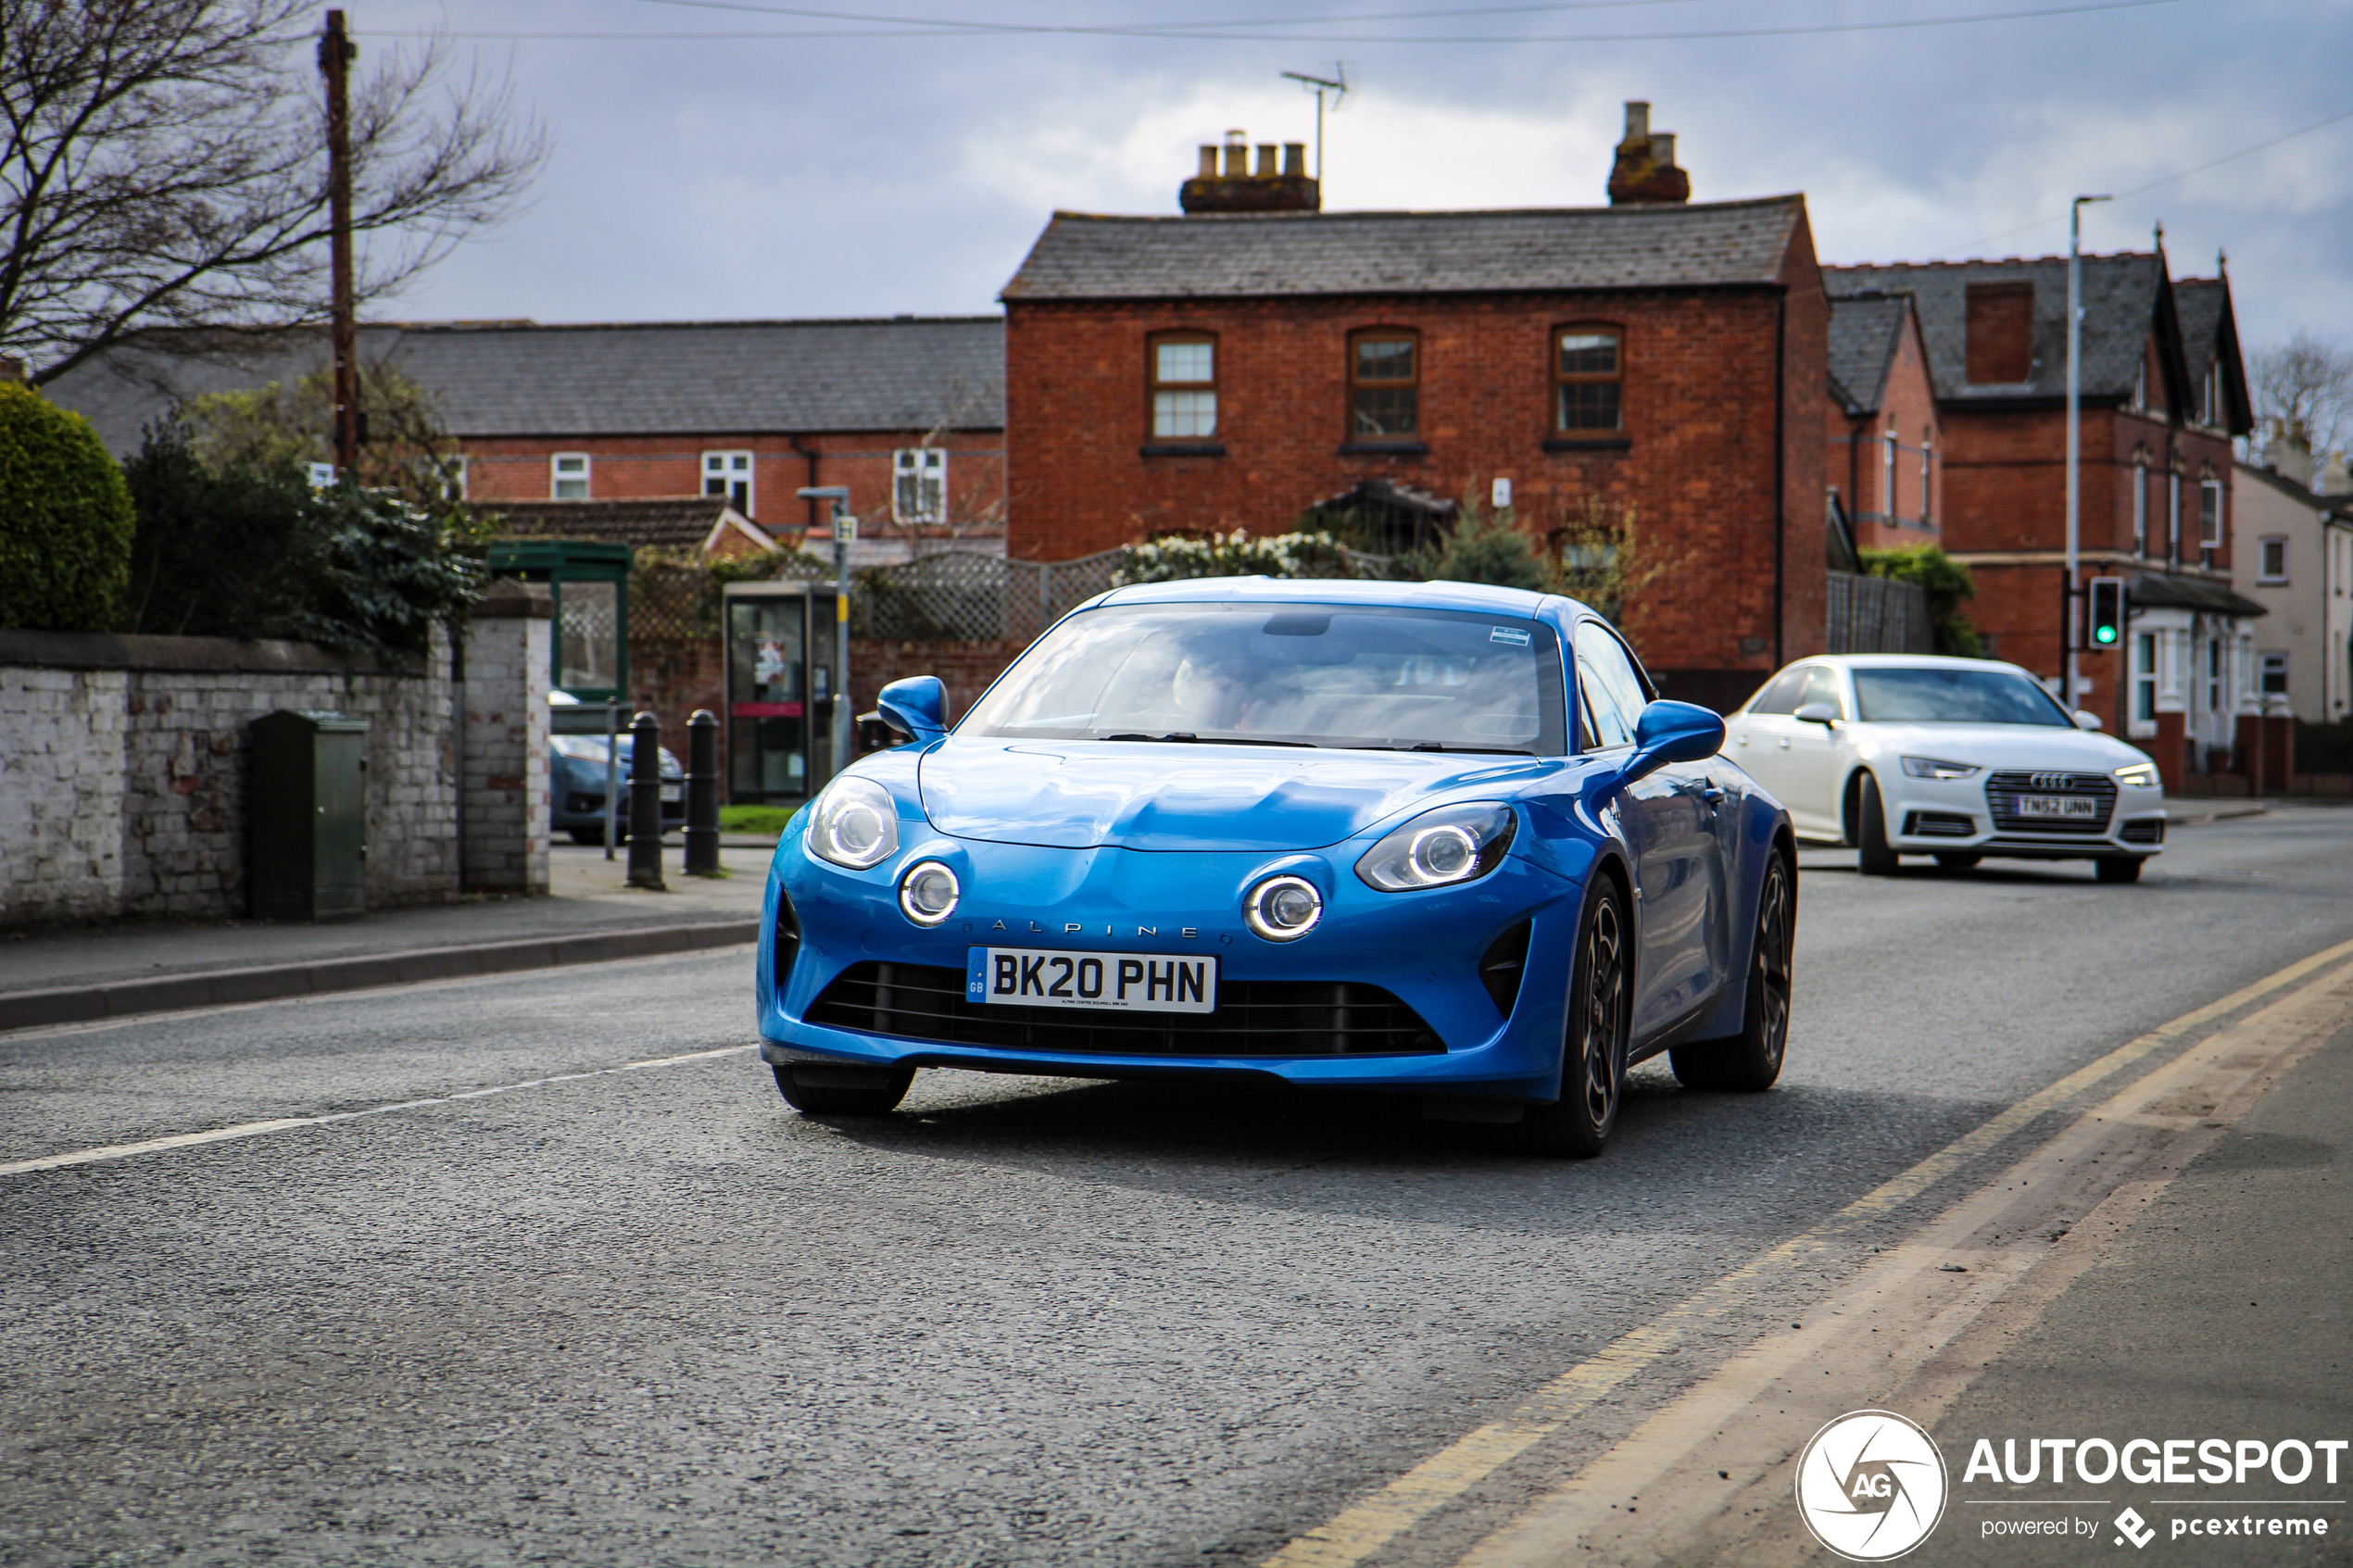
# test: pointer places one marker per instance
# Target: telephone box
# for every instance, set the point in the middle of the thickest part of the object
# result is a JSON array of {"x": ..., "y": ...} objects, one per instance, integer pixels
[{"x": 780, "y": 691}]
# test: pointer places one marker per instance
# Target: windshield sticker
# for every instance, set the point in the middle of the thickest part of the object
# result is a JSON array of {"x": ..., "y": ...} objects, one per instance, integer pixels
[{"x": 1511, "y": 635}]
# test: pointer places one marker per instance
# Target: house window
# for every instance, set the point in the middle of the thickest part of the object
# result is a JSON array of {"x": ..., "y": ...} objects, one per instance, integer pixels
[
  {"x": 2271, "y": 560},
  {"x": 1587, "y": 377},
  {"x": 2141, "y": 506},
  {"x": 1887, "y": 476},
  {"x": 919, "y": 484},
  {"x": 2214, "y": 394},
  {"x": 2145, "y": 683},
  {"x": 1384, "y": 384},
  {"x": 2275, "y": 674},
  {"x": 2173, "y": 515},
  {"x": 728, "y": 474},
  {"x": 1928, "y": 453},
  {"x": 2000, "y": 326},
  {"x": 568, "y": 473},
  {"x": 1184, "y": 371},
  {"x": 2209, "y": 513},
  {"x": 2140, "y": 387}
]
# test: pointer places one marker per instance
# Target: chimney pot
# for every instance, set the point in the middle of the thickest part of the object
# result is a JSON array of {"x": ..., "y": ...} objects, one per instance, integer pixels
[
  {"x": 1643, "y": 170},
  {"x": 1663, "y": 148},
  {"x": 1295, "y": 159},
  {"x": 1638, "y": 120},
  {"x": 1209, "y": 163},
  {"x": 1236, "y": 156},
  {"x": 1266, "y": 160}
]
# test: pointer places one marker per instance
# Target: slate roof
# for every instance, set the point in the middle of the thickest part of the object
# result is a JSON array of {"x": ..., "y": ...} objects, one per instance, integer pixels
[
  {"x": 673, "y": 378},
  {"x": 2170, "y": 591},
  {"x": 1082, "y": 256},
  {"x": 2208, "y": 328},
  {"x": 2121, "y": 297},
  {"x": 1865, "y": 330},
  {"x": 669, "y": 522}
]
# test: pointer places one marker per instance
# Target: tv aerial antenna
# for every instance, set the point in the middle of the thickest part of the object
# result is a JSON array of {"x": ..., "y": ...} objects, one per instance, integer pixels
[{"x": 1336, "y": 85}]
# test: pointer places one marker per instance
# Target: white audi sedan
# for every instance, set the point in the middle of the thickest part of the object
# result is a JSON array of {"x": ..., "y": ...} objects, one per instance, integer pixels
[{"x": 1904, "y": 754}]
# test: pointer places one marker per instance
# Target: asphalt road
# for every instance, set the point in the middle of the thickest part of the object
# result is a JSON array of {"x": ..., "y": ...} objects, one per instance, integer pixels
[{"x": 653, "y": 1317}]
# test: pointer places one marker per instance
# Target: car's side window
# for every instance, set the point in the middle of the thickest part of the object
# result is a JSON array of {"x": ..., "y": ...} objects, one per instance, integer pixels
[
  {"x": 1612, "y": 688},
  {"x": 1822, "y": 686},
  {"x": 1780, "y": 695}
]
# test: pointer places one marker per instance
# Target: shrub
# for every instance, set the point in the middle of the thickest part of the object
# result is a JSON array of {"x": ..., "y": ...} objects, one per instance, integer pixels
[
  {"x": 1488, "y": 547},
  {"x": 1232, "y": 554},
  {"x": 1947, "y": 582},
  {"x": 65, "y": 518}
]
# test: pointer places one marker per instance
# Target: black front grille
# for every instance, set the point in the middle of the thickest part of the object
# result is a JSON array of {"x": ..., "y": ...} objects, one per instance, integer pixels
[
  {"x": 1939, "y": 824},
  {"x": 787, "y": 941},
  {"x": 2002, "y": 789},
  {"x": 1253, "y": 1018},
  {"x": 2147, "y": 830}
]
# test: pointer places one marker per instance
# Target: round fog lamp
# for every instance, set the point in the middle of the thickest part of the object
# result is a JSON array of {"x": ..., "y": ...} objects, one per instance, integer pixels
[
  {"x": 928, "y": 893},
  {"x": 1442, "y": 854},
  {"x": 1284, "y": 909}
]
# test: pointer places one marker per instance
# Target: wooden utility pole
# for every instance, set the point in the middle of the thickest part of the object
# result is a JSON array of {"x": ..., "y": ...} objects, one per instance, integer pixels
[{"x": 335, "y": 54}]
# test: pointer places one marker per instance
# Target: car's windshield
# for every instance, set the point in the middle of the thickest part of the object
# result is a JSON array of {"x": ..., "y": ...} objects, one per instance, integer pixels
[
  {"x": 1274, "y": 675},
  {"x": 1934, "y": 693}
]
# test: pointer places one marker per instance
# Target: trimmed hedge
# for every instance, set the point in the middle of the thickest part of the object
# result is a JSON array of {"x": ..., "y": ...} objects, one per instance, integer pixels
[{"x": 65, "y": 518}]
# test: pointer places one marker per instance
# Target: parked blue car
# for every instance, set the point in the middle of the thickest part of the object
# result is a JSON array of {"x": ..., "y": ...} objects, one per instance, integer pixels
[
  {"x": 1433, "y": 838},
  {"x": 576, "y": 788}
]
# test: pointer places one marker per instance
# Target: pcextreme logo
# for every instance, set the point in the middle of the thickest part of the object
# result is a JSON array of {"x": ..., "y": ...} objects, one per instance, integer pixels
[{"x": 1870, "y": 1486}]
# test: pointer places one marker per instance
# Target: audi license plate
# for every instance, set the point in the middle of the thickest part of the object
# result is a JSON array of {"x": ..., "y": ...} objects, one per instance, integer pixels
[
  {"x": 2064, "y": 806},
  {"x": 1118, "y": 981}
]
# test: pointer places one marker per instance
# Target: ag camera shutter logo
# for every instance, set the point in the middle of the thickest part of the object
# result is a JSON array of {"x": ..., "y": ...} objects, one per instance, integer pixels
[{"x": 1870, "y": 1486}]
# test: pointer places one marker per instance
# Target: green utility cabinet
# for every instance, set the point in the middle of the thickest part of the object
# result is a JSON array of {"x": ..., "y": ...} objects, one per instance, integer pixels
[{"x": 308, "y": 832}]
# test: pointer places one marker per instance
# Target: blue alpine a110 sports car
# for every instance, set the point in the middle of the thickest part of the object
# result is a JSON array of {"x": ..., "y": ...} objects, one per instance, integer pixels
[{"x": 1429, "y": 839}]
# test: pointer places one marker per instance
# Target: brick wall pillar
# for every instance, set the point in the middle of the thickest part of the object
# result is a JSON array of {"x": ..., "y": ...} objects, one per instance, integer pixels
[{"x": 506, "y": 709}]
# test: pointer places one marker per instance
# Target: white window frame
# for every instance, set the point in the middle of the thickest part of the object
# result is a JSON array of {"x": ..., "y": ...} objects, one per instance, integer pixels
[
  {"x": 1928, "y": 454},
  {"x": 919, "y": 484},
  {"x": 558, "y": 478},
  {"x": 2141, "y": 506},
  {"x": 2266, "y": 665},
  {"x": 2142, "y": 722},
  {"x": 2173, "y": 513},
  {"x": 1887, "y": 477},
  {"x": 733, "y": 469},
  {"x": 2263, "y": 572},
  {"x": 2210, "y": 524}
]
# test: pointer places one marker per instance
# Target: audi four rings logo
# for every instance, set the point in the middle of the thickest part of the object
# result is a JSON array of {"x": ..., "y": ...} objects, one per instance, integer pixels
[
  {"x": 1870, "y": 1486},
  {"x": 2050, "y": 781}
]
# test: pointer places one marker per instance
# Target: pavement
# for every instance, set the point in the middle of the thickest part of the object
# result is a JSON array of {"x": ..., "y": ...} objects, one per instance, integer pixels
[
  {"x": 538, "y": 1267},
  {"x": 71, "y": 974}
]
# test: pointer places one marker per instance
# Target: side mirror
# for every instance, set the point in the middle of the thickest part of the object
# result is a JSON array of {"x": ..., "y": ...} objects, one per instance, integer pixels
[
  {"x": 1817, "y": 713},
  {"x": 2086, "y": 720},
  {"x": 916, "y": 706},
  {"x": 1672, "y": 732}
]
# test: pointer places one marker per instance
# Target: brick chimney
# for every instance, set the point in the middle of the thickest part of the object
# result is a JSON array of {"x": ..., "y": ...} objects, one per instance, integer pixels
[
  {"x": 1645, "y": 168},
  {"x": 1229, "y": 184}
]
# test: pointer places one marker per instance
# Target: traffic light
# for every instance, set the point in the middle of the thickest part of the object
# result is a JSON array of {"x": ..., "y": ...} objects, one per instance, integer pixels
[{"x": 2107, "y": 611}]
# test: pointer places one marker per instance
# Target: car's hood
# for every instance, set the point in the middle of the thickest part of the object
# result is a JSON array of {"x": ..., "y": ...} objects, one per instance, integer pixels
[
  {"x": 1079, "y": 795},
  {"x": 2003, "y": 746}
]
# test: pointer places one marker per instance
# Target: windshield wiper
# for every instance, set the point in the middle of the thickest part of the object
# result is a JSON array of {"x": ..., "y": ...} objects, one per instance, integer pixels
[
  {"x": 1453, "y": 750},
  {"x": 1187, "y": 736}
]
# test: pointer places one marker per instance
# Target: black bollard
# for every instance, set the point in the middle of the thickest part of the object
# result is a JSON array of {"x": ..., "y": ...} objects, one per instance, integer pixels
[
  {"x": 645, "y": 803},
  {"x": 702, "y": 794}
]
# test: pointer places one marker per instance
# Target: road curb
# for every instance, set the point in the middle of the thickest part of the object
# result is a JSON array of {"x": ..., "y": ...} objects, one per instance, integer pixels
[{"x": 263, "y": 983}]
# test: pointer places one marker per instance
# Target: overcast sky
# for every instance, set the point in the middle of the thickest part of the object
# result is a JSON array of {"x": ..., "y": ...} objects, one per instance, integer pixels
[{"x": 891, "y": 167}]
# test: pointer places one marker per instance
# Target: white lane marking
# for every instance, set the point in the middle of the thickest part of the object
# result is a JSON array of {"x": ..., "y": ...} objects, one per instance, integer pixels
[
  {"x": 361, "y": 993},
  {"x": 284, "y": 1124}
]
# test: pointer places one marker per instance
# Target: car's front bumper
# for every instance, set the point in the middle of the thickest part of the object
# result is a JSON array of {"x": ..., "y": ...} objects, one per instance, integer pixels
[
  {"x": 1961, "y": 816},
  {"x": 1422, "y": 948}
]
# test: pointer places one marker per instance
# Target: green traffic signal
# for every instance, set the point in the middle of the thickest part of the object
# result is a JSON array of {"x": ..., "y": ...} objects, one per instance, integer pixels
[{"x": 2104, "y": 634}]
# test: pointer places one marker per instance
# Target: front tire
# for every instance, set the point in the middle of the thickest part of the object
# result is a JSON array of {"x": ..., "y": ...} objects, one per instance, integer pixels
[
  {"x": 1874, "y": 857},
  {"x": 844, "y": 1094},
  {"x": 1750, "y": 1060},
  {"x": 1601, "y": 1012},
  {"x": 2118, "y": 868}
]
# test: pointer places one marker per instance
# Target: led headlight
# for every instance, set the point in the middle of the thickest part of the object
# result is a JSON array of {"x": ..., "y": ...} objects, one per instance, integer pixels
[
  {"x": 2141, "y": 773},
  {"x": 928, "y": 893},
  {"x": 1930, "y": 768},
  {"x": 1439, "y": 848},
  {"x": 1283, "y": 909},
  {"x": 855, "y": 824}
]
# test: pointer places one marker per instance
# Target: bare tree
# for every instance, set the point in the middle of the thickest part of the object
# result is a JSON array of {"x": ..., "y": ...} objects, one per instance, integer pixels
[
  {"x": 163, "y": 165},
  {"x": 2308, "y": 381}
]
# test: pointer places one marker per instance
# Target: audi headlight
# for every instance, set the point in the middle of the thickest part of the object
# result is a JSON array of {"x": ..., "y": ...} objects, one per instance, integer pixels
[
  {"x": 1439, "y": 848},
  {"x": 2141, "y": 773},
  {"x": 1283, "y": 909},
  {"x": 927, "y": 894},
  {"x": 855, "y": 824},
  {"x": 1930, "y": 768}
]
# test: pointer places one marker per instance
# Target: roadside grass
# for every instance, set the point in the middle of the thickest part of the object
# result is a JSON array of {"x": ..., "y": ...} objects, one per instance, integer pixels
[{"x": 754, "y": 819}]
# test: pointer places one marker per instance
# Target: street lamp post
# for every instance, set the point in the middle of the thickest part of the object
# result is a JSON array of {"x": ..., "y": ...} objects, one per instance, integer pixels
[
  {"x": 844, "y": 530},
  {"x": 2070, "y": 675}
]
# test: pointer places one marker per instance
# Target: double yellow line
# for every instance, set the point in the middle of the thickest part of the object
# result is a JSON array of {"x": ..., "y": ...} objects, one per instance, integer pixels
[{"x": 1365, "y": 1526}]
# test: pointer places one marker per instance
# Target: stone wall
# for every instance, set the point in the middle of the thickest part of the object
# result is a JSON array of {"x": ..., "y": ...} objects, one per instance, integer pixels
[
  {"x": 123, "y": 770},
  {"x": 506, "y": 736}
]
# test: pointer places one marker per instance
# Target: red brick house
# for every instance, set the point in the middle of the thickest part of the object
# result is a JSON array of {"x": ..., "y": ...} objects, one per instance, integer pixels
[
  {"x": 1884, "y": 439},
  {"x": 2163, "y": 393},
  {"x": 1230, "y": 368},
  {"x": 907, "y": 411}
]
